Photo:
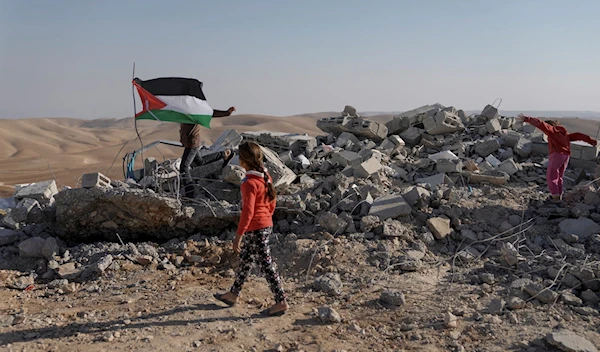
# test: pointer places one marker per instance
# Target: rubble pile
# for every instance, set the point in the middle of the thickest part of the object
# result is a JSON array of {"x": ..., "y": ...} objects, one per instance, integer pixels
[{"x": 431, "y": 186}]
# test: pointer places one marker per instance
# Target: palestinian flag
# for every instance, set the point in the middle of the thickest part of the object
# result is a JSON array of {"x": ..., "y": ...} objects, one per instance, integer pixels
[{"x": 174, "y": 100}]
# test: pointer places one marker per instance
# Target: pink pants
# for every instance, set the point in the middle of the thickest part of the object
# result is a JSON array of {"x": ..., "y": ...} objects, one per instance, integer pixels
[{"x": 557, "y": 164}]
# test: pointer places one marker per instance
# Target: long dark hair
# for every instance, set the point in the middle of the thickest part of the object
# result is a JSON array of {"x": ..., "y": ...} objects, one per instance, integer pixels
[{"x": 252, "y": 156}]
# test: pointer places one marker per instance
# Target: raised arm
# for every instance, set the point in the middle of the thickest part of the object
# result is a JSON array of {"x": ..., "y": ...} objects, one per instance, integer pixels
[
  {"x": 223, "y": 113},
  {"x": 582, "y": 137},
  {"x": 544, "y": 127}
]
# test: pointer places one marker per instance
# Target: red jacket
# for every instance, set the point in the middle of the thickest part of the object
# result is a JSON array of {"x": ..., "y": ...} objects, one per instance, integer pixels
[
  {"x": 257, "y": 209},
  {"x": 559, "y": 140}
]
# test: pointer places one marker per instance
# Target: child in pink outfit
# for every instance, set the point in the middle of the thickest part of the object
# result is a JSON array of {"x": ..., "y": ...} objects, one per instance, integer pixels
[{"x": 559, "y": 143}]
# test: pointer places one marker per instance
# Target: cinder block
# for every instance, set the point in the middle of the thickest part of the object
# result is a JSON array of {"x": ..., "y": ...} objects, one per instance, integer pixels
[
  {"x": 509, "y": 166},
  {"x": 390, "y": 206},
  {"x": 95, "y": 179},
  {"x": 367, "y": 168},
  {"x": 43, "y": 192},
  {"x": 493, "y": 125},
  {"x": 412, "y": 136},
  {"x": 487, "y": 147},
  {"x": 448, "y": 166},
  {"x": 347, "y": 158},
  {"x": 489, "y": 112}
]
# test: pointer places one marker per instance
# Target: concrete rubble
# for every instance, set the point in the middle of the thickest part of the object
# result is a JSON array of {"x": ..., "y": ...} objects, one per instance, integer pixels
[{"x": 431, "y": 186}]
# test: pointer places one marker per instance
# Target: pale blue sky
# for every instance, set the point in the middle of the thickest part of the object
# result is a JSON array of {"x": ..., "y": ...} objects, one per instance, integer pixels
[{"x": 74, "y": 58}]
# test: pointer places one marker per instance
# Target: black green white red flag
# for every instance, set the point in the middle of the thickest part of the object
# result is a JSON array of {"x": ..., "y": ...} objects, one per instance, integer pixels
[{"x": 173, "y": 99}]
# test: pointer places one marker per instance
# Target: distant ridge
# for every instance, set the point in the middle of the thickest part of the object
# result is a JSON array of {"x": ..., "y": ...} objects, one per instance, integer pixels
[{"x": 538, "y": 113}]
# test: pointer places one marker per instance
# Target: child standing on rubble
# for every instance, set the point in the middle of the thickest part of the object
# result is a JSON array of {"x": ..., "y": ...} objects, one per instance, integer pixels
[
  {"x": 559, "y": 143},
  {"x": 255, "y": 227}
]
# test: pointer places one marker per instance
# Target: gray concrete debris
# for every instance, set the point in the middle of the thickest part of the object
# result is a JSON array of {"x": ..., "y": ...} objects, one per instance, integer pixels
[
  {"x": 541, "y": 293},
  {"x": 569, "y": 341},
  {"x": 367, "y": 168},
  {"x": 434, "y": 180},
  {"x": 346, "y": 158},
  {"x": 390, "y": 206},
  {"x": 233, "y": 174},
  {"x": 489, "y": 112},
  {"x": 332, "y": 223},
  {"x": 416, "y": 195},
  {"x": 96, "y": 179},
  {"x": 584, "y": 151},
  {"x": 448, "y": 166},
  {"x": 21, "y": 212},
  {"x": 281, "y": 174},
  {"x": 443, "y": 122},
  {"x": 281, "y": 141},
  {"x": 412, "y": 136},
  {"x": 488, "y": 147},
  {"x": 509, "y": 166},
  {"x": 43, "y": 192},
  {"x": 8, "y": 237}
]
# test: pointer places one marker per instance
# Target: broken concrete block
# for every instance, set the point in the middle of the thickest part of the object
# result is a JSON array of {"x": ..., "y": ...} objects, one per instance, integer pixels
[
  {"x": 493, "y": 160},
  {"x": 509, "y": 166},
  {"x": 487, "y": 147},
  {"x": 334, "y": 125},
  {"x": 440, "y": 227},
  {"x": 448, "y": 166},
  {"x": 368, "y": 129},
  {"x": 412, "y": 136},
  {"x": 583, "y": 151},
  {"x": 345, "y": 139},
  {"x": 349, "y": 110},
  {"x": 445, "y": 155},
  {"x": 43, "y": 192},
  {"x": 506, "y": 122},
  {"x": 22, "y": 210},
  {"x": 489, "y": 112},
  {"x": 493, "y": 125},
  {"x": 390, "y": 206},
  {"x": 416, "y": 194},
  {"x": 443, "y": 122},
  {"x": 367, "y": 168},
  {"x": 540, "y": 149},
  {"x": 566, "y": 340},
  {"x": 233, "y": 174},
  {"x": 95, "y": 179},
  {"x": 523, "y": 148},
  {"x": 281, "y": 141},
  {"x": 347, "y": 158},
  {"x": 511, "y": 138},
  {"x": 282, "y": 175}
]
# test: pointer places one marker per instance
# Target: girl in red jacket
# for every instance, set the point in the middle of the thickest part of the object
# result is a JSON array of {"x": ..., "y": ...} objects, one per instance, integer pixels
[
  {"x": 559, "y": 143},
  {"x": 255, "y": 227}
]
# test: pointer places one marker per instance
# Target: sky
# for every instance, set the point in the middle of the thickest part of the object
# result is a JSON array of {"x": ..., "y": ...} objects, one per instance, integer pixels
[{"x": 74, "y": 58}]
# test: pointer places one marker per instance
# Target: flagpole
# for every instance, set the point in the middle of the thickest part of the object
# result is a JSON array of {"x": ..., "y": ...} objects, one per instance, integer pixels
[{"x": 135, "y": 112}]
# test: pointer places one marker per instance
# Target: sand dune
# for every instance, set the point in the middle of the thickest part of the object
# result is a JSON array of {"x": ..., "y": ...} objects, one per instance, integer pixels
[{"x": 63, "y": 149}]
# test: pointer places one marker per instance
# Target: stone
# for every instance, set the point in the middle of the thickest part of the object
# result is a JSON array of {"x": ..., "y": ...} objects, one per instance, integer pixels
[
  {"x": 332, "y": 223},
  {"x": 281, "y": 142},
  {"x": 583, "y": 151},
  {"x": 101, "y": 265},
  {"x": 509, "y": 166},
  {"x": 393, "y": 228},
  {"x": 21, "y": 212},
  {"x": 440, "y": 227},
  {"x": 68, "y": 271},
  {"x": 32, "y": 248},
  {"x": 541, "y": 293},
  {"x": 514, "y": 303},
  {"x": 8, "y": 236},
  {"x": 51, "y": 248},
  {"x": 468, "y": 235},
  {"x": 570, "y": 299},
  {"x": 95, "y": 179},
  {"x": 390, "y": 206},
  {"x": 43, "y": 192},
  {"x": 489, "y": 112},
  {"x": 392, "y": 298},
  {"x": 367, "y": 168},
  {"x": 346, "y": 158},
  {"x": 414, "y": 195},
  {"x": 487, "y": 147},
  {"x": 450, "y": 320},
  {"x": 582, "y": 227},
  {"x": 586, "y": 311},
  {"x": 144, "y": 259},
  {"x": 568, "y": 341},
  {"x": 330, "y": 283},
  {"x": 590, "y": 297},
  {"x": 329, "y": 315},
  {"x": 496, "y": 306},
  {"x": 435, "y": 180},
  {"x": 21, "y": 282},
  {"x": 282, "y": 175}
]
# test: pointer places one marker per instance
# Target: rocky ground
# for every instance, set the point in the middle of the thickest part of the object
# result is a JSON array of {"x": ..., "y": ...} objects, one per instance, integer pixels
[{"x": 383, "y": 248}]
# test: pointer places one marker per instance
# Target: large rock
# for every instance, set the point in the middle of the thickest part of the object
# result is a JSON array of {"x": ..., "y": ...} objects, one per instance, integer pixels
[
  {"x": 416, "y": 194},
  {"x": 8, "y": 236},
  {"x": 582, "y": 227},
  {"x": 330, "y": 283},
  {"x": 89, "y": 214},
  {"x": 488, "y": 147},
  {"x": 390, "y": 206},
  {"x": 440, "y": 227},
  {"x": 32, "y": 247},
  {"x": 568, "y": 341}
]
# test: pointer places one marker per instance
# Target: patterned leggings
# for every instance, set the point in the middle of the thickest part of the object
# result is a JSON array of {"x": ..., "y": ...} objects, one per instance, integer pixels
[{"x": 255, "y": 248}]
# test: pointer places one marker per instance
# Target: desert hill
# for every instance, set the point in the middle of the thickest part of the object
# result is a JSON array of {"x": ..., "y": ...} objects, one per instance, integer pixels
[{"x": 64, "y": 148}]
